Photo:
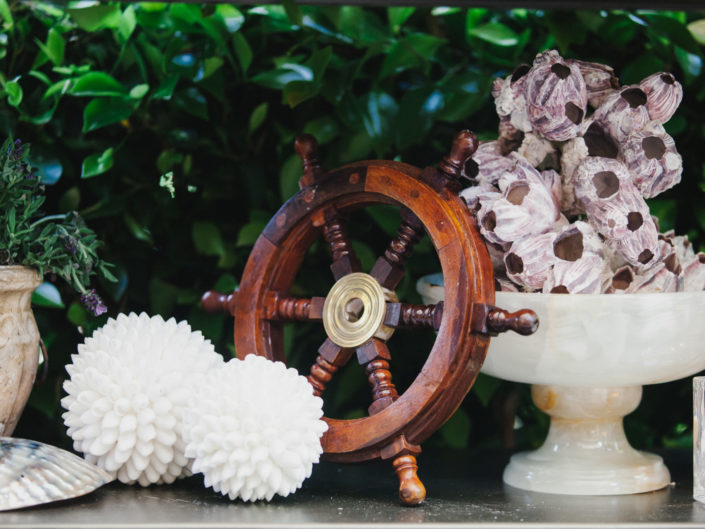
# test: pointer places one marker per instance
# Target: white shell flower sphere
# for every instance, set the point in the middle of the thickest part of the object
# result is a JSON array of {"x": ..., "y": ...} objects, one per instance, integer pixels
[
  {"x": 128, "y": 387},
  {"x": 254, "y": 429}
]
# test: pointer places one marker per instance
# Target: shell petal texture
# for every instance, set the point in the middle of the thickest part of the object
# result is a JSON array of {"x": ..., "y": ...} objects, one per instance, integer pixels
[
  {"x": 32, "y": 473},
  {"x": 623, "y": 112},
  {"x": 585, "y": 275},
  {"x": 128, "y": 388},
  {"x": 254, "y": 429},
  {"x": 652, "y": 159},
  {"x": 663, "y": 94},
  {"x": 529, "y": 260},
  {"x": 556, "y": 99},
  {"x": 600, "y": 80}
]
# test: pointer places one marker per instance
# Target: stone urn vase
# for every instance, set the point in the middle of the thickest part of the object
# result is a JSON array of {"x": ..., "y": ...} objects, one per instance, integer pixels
[{"x": 19, "y": 343}]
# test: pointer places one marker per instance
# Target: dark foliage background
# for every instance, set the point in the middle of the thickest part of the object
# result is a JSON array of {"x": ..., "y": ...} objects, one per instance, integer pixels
[{"x": 170, "y": 127}]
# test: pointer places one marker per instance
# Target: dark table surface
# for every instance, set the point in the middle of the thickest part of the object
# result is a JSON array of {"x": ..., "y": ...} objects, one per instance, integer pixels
[{"x": 465, "y": 489}]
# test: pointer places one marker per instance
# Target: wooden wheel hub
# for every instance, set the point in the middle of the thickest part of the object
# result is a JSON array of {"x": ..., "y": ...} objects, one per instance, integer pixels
[
  {"x": 361, "y": 311},
  {"x": 354, "y": 310}
]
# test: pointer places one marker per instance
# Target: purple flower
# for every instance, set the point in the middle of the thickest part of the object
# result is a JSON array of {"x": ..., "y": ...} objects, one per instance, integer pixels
[
  {"x": 71, "y": 244},
  {"x": 16, "y": 151},
  {"x": 91, "y": 300}
]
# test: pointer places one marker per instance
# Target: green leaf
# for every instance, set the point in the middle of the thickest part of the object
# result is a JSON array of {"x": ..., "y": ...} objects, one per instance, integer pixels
[
  {"x": 231, "y": 17},
  {"x": 410, "y": 52},
  {"x": 96, "y": 16},
  {"x": 324, "y": 129},
  {"x": 285, "y": 74},
  {"x": 105, "y": 111},
  {"x": 697, "y": 30},
  {"x": 289, "y": 175},
  {"x": 127, "y": 24},
  {"x": 397, "y": 16},
  {"x": 98, "y": 163},
  {"x": 226, "y": 284},
  {"x": 249, "y": 233},
  {"x": 77, "y": 314},
  {"x": 677, "y": 32},
  {"x": 139, "y": 91},
  {"x": 242, "y": 51},
  {"x": 47, "y": 295},
  {"x": 417, "y": 112},
  {"x": 165, "y": 90},
  {"x": 495, "y": 33},
  {"x": 14, "y": 93},
  {"x": 190, "y": 13},
  {"x": 379, "y": 113},
  {"x": 96, "y": 84},
  {"x": 293, "y": 12},
  {"x": 53, "y": 49},
  {"x": 456, "y": 432},
  {"x": 193, "y": 102},
  {"x": 207, "y": 239},
  {"x": 209, "y": 67},
  {"x": 259, "y": 114},
  {"x": 138, "y": 232},
  {"x": 485, "y": 387},
  {"x": 6, "y": 15}
]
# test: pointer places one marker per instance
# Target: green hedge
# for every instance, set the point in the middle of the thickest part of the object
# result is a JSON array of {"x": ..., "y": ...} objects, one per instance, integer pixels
[{"x": 170, "y": 127}]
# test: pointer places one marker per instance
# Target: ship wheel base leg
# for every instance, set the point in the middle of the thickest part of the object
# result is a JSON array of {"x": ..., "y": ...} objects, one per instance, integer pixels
[{"x": 411, "y": 490}]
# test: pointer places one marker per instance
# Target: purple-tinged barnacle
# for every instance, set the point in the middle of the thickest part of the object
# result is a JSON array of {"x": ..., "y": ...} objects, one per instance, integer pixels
[
  {"x": 651, "y": 157},
  {"x": 623, "y": 112},
  {"x": 487, "y": 164},
  {"x": 600, "y": 179},
  {"x": 621, "y": 280},
  {"x": 475, "y": 196},
  {"x": 502, "y": 284},
  {"x": 600, "y": 81},
  {"x": 572, "y": 155},
  {"x": 575, "y": 239},
  {"x": 584, "y": 275},
  {"x": 640, "y": 247},
  {"x": 510, "y": 137},
  {"x": 552, "y": 180},
  {"x": 598, "y": 141},
  {"x": 659, "y": 278},
  {"x": 497, "y": 252},
  {"x": 509, "y": 99},
  {"x": 528, "y": 260},
  {"x": 663, "y": 95},
  {"x": 556, "y": 99},
  {"x": 537, "y": 150},
  {"x": 694, "y": 273}
]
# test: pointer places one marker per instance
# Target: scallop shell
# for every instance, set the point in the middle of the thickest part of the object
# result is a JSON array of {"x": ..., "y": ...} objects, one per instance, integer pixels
[{"x": 32, "y": 473}]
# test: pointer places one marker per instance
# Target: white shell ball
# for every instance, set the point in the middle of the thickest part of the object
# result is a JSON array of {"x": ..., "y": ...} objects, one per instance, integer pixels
[
  {"x": 128, "y": 386},
  {"x": 254, "y": 429}
]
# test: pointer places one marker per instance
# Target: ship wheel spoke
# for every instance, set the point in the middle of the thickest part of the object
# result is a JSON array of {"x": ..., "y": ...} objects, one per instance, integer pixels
[
  {"x": 334, "y": 228},
  {"x": 414, "y": 316},
  {"x": 374, "y": 356},
  {"x": 389, "y": 268},
  {"x": 329, "y": 359},
  {"x": 280, "y": 307}
]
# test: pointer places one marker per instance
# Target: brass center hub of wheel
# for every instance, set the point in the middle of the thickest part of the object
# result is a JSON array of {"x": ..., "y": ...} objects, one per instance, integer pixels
[{"x": 354, "y": 310}]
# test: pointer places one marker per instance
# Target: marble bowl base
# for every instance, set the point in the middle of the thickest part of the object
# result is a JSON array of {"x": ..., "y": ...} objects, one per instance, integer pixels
[{"x": 586, "y": 451}]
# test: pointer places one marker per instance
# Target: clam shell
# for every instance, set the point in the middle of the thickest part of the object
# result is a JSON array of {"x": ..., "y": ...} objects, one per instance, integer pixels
[{"x": 32, "y": 473}]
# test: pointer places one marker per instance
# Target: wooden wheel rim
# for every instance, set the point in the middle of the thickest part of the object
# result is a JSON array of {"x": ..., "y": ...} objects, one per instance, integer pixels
[{"x": 457, "y": 354}]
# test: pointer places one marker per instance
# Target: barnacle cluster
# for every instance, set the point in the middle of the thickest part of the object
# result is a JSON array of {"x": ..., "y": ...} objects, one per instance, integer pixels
[{"x": 560, "y": 196}]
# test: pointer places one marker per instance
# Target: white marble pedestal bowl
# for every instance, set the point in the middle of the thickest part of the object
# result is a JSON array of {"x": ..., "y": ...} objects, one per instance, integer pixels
[{"x": 587, "y": 364}]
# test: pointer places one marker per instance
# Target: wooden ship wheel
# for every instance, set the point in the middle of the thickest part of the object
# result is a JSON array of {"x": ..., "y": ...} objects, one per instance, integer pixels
[{"x": 361, "y": 311}]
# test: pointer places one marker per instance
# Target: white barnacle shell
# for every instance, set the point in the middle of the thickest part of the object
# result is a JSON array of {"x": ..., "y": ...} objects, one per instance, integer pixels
[
  {"x": 663, "y": 95},
  {"x": 651, "y": 157},
  {"x": 664, "y": 276},
  {"x": 526, "y": 206},
  {"x": 584, "y": 275},
  {"x": 126, "y": 393},
  {"x": 552, "y": 180},
  {"x": 254, "y": 429},
  {"x": 536, "y": 149},
  {"x": 528, "y": 260},
  {"x": 576, "y": 239},
  {"x": 509, "y": 98},
  {"x": 556, "y": 98},
  {"x": 600, "y": 80},
  {"x": 623, "y": 112},
  {"x": 476, "y": 196},
  {"x": 487, "y": 164},
  {"x": 694, "y": 273},
  {"x": 621, "y": 280}
]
